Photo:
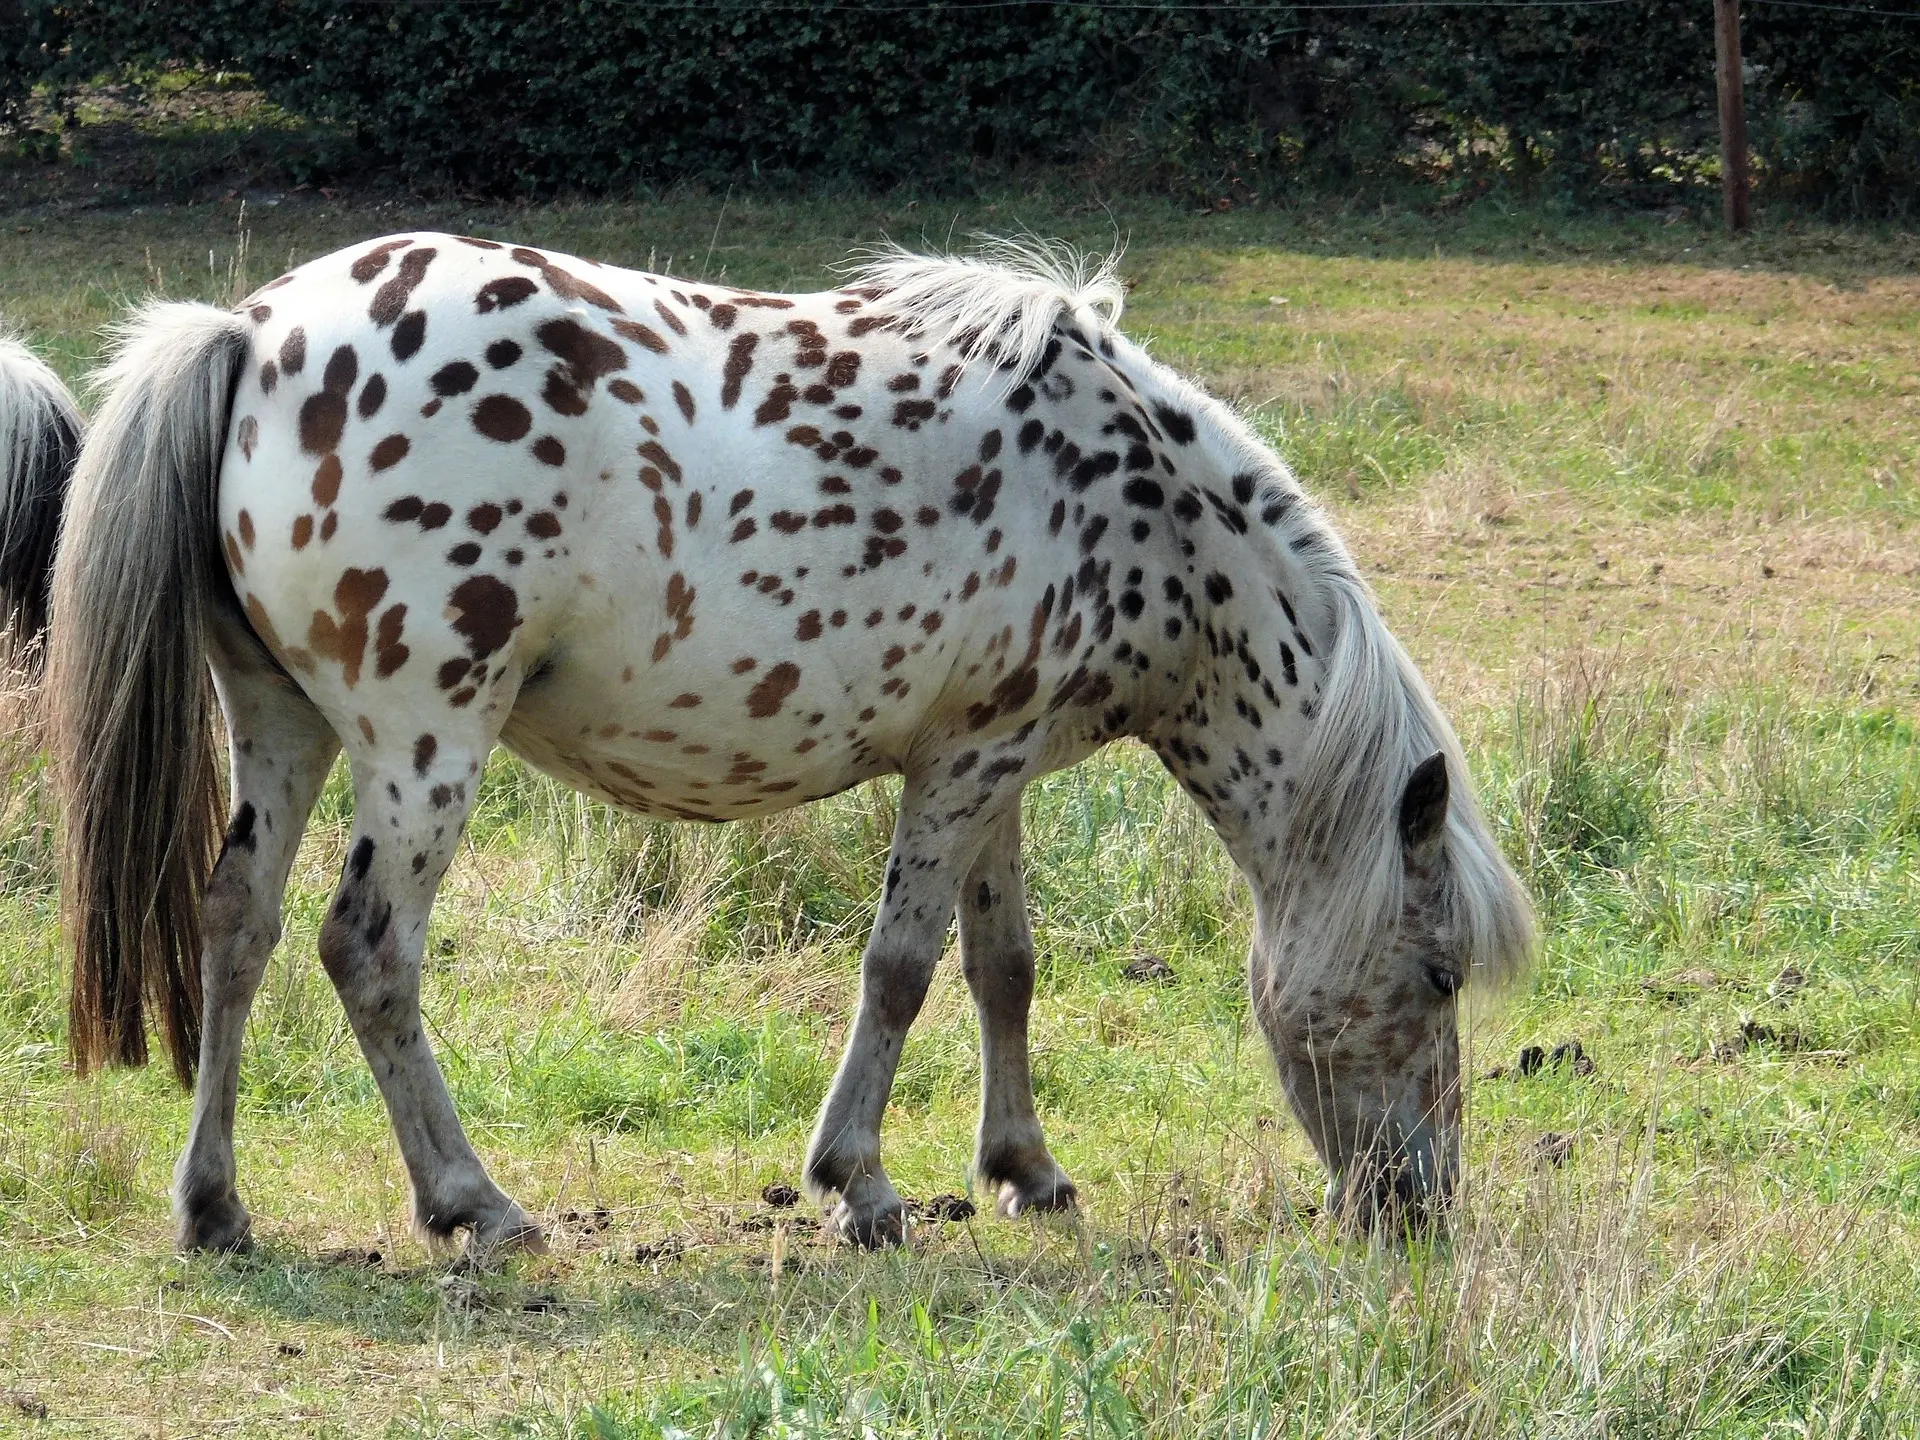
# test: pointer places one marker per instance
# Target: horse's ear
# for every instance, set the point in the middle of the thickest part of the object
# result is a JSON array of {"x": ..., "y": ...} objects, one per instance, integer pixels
[{"x": 1423, "y": 804}]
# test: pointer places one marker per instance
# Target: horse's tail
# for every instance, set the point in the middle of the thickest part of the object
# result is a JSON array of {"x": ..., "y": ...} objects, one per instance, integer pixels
[
  {"x": 39, "y": 442},
  {"x": 136, "y": 586}
]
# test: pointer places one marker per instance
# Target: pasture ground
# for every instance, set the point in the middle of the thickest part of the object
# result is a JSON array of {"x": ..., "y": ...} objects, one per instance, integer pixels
[{"x": 1643, "y": 503}]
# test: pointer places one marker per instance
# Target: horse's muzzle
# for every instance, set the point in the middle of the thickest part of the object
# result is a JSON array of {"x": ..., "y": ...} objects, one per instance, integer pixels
[{"x": 1398, "y": 1187}]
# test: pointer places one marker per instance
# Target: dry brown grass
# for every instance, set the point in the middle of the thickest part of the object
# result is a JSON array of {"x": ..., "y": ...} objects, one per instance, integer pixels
[{"x": 1488, "y": 580}]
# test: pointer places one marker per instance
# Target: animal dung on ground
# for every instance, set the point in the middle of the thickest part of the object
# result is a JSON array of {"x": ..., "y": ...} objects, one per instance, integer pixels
[
  {"x": 942, "y": 1209},
  {"x": 1536, "y": 1058},
  {"x": 25, "y": 1403},
  {"x": 1554, "y": 1148},
  {"x": 655, "y": 1252},
  {"x": 780, "y": 1195},
  {"x": 352, "y": 1255},
  {"x": 1790, "y": 981},
  {"x": 1148, "y": 969},
  {"x": 460, "y": 1292},
  {"x": 1572, "y": 1054},
  {"x": 1754, "y": 1036}
]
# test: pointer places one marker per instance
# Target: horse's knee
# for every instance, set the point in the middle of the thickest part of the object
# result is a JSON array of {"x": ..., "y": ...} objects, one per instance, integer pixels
[
  {"x": 344, "y": 952},
  {"x": 358, "y": 930},
  {"x": 894, "y": 986}
]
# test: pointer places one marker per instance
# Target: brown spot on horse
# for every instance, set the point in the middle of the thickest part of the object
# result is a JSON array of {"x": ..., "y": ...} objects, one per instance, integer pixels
[
  {"x": 767, "y": 696},
  {"x": 354, "y": 596}
]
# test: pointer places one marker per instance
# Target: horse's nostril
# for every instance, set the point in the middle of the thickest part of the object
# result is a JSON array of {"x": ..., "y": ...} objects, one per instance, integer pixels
[{"x": 1407, "y": 1185}]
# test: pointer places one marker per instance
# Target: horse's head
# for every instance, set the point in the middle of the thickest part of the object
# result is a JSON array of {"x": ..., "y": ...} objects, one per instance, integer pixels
[{"x": 1369, "y": 1052}]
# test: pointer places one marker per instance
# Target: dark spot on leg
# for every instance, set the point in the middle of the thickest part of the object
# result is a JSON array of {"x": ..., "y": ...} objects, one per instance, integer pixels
[{"x": 240, "y": 830}]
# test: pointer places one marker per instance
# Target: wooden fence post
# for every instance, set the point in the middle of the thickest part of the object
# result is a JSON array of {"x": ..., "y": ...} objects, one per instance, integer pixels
[{"x": 1734, "y": 179}]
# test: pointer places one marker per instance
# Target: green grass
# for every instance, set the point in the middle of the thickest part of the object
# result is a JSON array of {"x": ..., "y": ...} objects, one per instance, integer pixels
[{"x": 1646, "y": 517}]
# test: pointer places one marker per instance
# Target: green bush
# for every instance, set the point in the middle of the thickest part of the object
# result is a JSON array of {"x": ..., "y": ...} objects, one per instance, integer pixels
[{"x": 505, "y": 96}]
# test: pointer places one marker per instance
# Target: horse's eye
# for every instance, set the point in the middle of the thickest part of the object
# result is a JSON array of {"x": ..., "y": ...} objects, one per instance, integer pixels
[{"x": 1442, "y": 979}]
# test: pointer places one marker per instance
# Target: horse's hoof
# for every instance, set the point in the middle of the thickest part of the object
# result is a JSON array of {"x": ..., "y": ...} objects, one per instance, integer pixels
[
  {"x": 1046, "y": 1193},
  {"x": 222, "y": 1227},
  {"x": 881, "y": 1228},
  {"x": 513, "y": 1233}
]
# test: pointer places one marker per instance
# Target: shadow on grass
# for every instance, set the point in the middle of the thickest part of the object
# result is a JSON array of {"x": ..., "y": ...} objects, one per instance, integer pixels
[{"x": 688, "y": 1294}]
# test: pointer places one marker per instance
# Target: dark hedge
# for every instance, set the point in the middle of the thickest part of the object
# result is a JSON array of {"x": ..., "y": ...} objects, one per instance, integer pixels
[{"x": 507, "y": 97}]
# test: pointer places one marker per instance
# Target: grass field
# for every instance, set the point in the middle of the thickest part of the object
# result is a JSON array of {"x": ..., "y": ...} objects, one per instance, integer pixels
[{"x": 1643, "y": 503}]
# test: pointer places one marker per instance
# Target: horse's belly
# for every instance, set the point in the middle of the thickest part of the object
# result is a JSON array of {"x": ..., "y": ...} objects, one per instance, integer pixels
[{"x": 678, "y": 764}]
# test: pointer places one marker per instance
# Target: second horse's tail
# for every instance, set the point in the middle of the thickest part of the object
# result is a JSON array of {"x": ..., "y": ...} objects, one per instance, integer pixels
[{"x": 39, "y": 443}]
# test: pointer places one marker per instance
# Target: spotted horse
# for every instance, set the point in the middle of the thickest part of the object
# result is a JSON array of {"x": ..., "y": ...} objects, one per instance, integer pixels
[{"x": 706, "y": 554}]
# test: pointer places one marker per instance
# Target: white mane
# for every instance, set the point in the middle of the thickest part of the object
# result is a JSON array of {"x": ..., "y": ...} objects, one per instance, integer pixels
[
  {"x": 1336, "y": 884},
  {"x": 1337, "y": 892},
  {"x": 1003, "y": 300},
  {"x": 1342, "y": 882}
]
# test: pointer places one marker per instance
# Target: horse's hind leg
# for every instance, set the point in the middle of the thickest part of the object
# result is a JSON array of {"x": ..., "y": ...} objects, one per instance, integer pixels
[
  {"x": 411, "y": 798},
  {"x": 281, "y": 748},
  {"x": 996, "y": 951}
]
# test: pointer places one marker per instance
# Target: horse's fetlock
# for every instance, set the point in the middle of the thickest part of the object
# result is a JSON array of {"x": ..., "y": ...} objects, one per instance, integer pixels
[
  {"x": 826, "y": 1174},
  {"x": 1011, "y": 1159}
]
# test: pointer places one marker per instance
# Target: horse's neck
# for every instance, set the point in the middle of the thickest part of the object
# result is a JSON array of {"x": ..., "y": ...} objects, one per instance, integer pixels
[
  {"x": 1236, "y": 739},
  {"x": 1258, "y": 552}
]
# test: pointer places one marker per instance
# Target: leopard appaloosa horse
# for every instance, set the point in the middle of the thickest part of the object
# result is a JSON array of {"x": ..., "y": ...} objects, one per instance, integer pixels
[{"x": 706, "y": 553}]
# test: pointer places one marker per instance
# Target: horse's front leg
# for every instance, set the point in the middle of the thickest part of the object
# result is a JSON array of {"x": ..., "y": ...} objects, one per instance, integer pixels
[{"x": 939, "y": 831}]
